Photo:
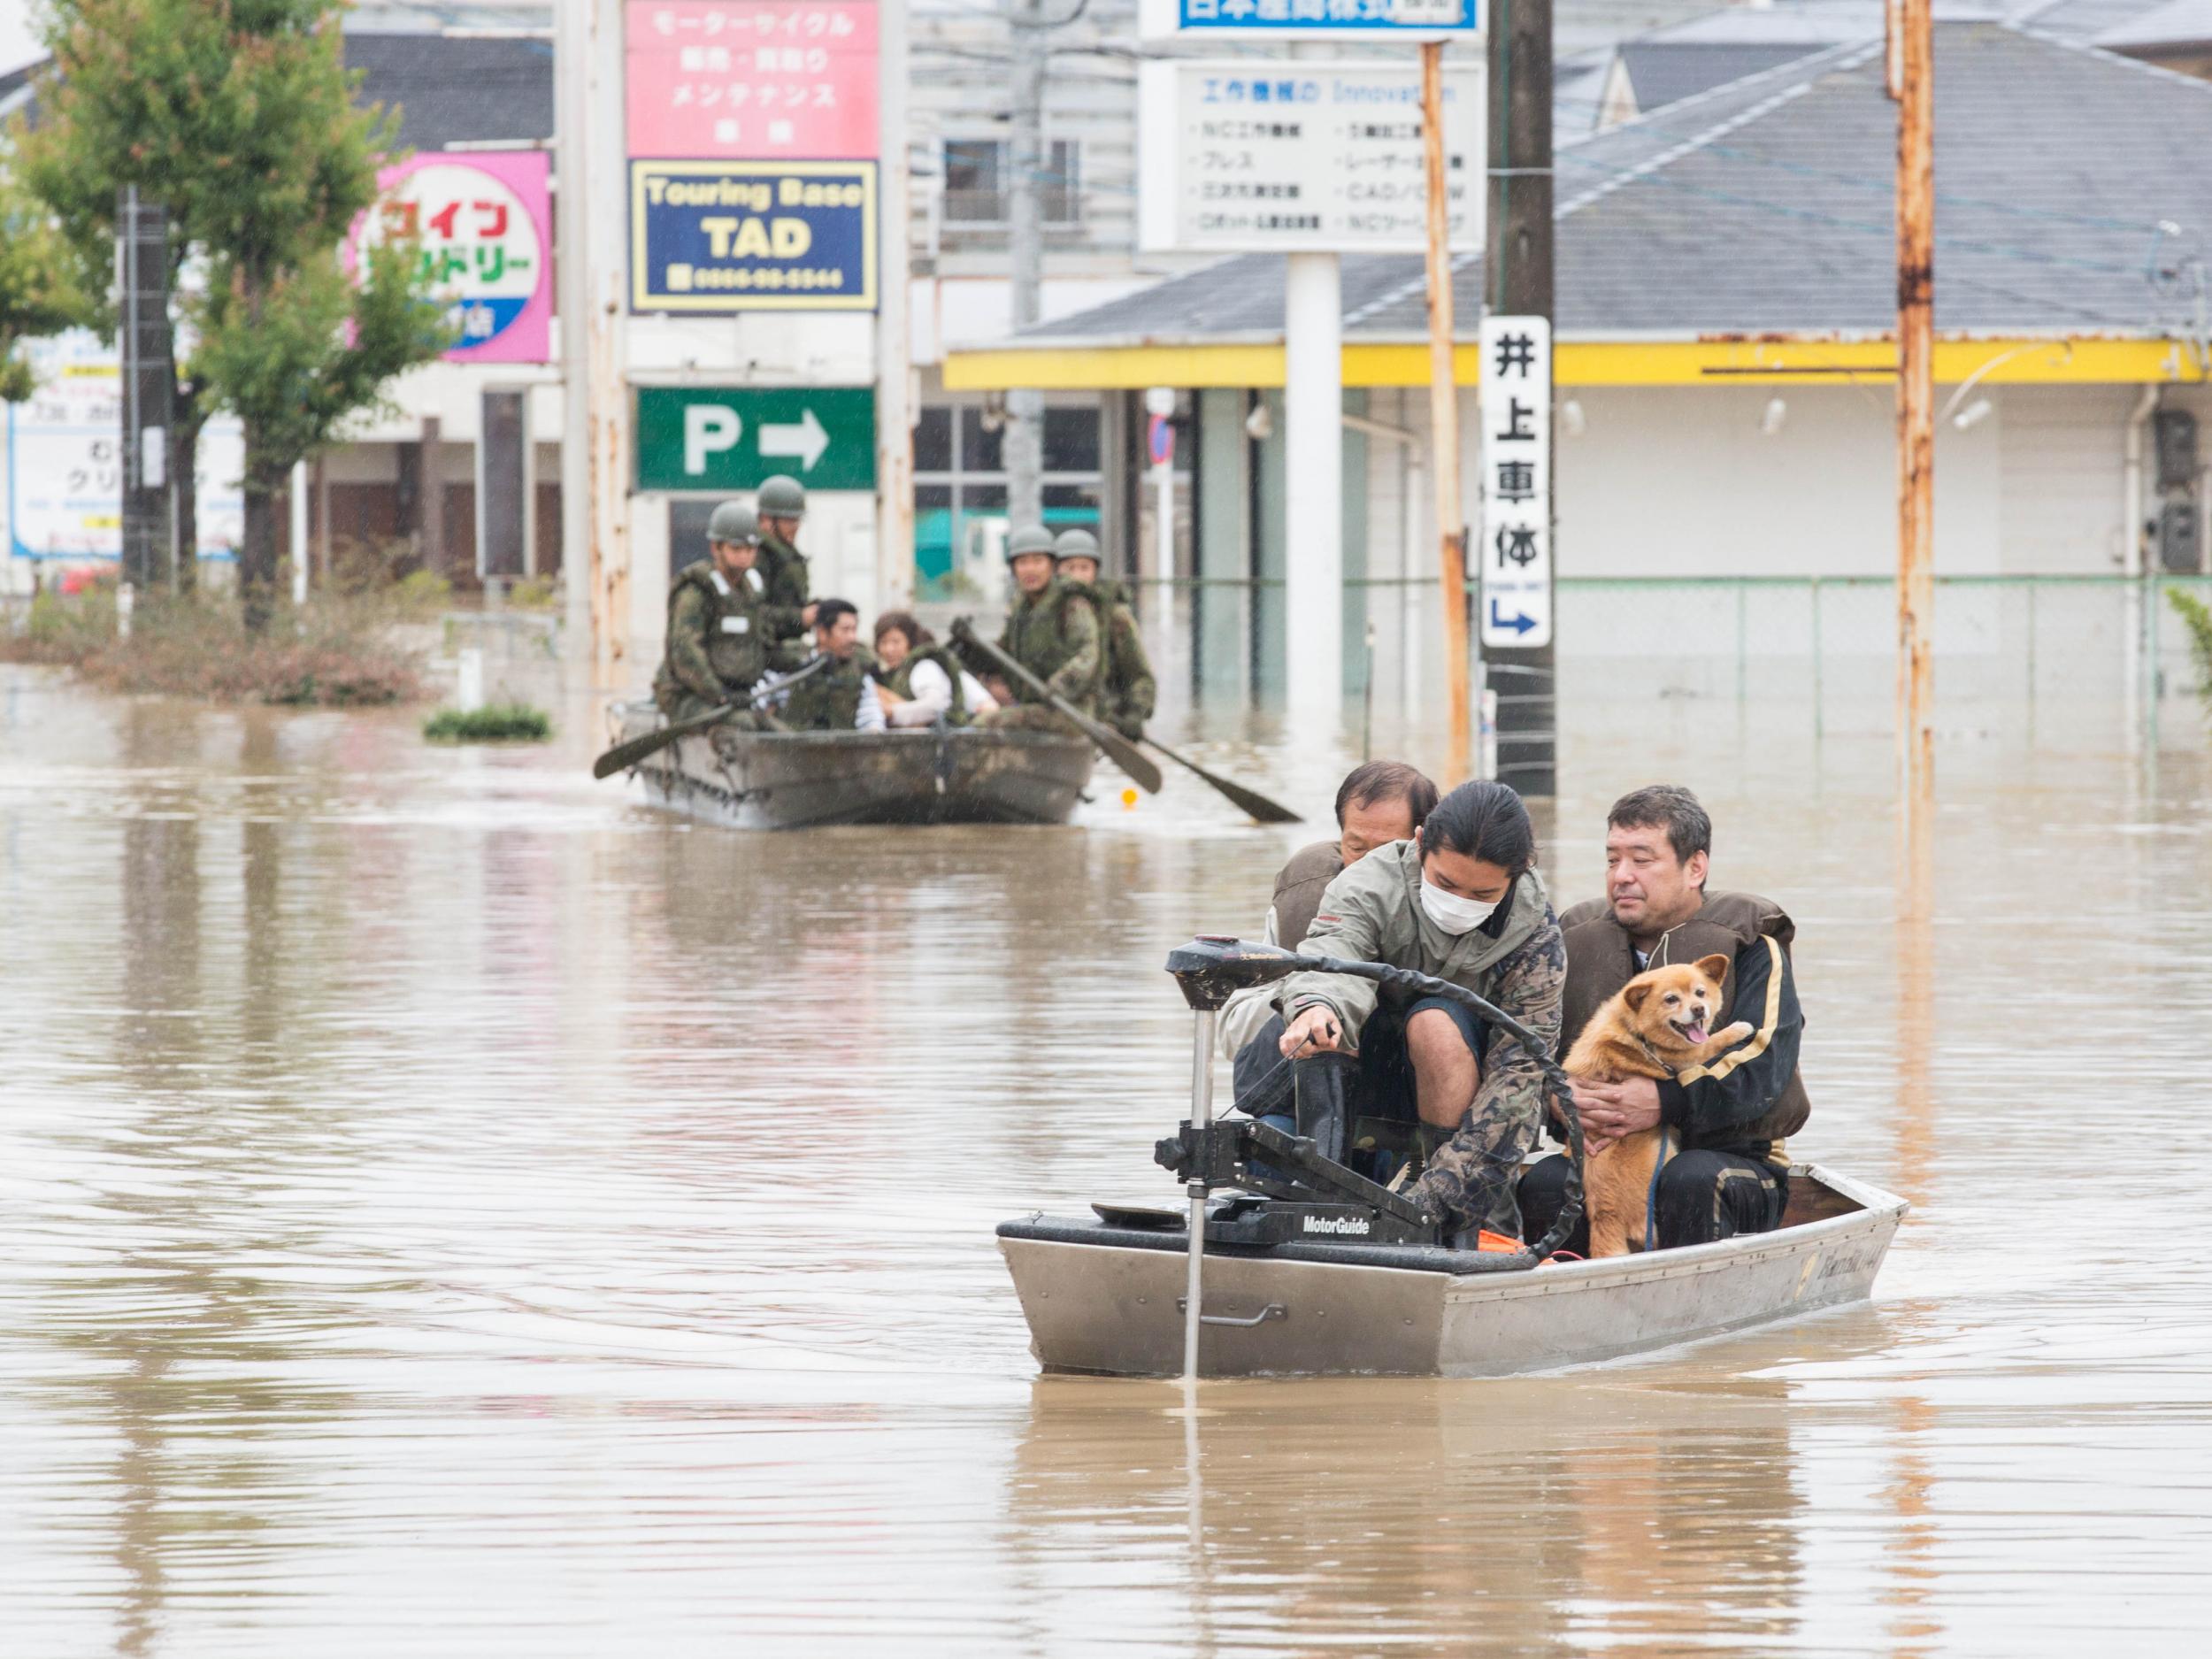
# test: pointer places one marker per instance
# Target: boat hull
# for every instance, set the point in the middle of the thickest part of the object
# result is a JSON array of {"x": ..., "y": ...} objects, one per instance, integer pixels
[
  {"x": 1113, "y": 1306},
  {"x": 794, "y": 779}
]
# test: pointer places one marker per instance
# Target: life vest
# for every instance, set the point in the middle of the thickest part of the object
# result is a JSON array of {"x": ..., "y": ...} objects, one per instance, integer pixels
[
  {"x": 1037, "y": 636},
  {"x": 901, "y": 680},
  {"x": 735, "y": 642},
  {"x": 829, "y": 700}
]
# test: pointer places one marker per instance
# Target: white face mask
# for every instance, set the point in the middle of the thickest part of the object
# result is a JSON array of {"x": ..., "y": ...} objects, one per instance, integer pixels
[{"x": 1452, "y": 913}]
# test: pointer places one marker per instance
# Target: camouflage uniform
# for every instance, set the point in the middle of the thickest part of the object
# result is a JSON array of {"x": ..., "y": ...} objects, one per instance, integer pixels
[
  {"x": 1054, "y": 633},
  {"x": 1372, "y": 913},
  {"x": 786, "y": 569},
  {"x": 829, "y": 700},
  {"x": 719, "y": 633},
  {"x": 1127, "y": 687}
]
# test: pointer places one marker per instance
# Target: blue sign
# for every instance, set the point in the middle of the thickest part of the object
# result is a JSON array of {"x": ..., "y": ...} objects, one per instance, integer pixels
[
  {"x": 1400, "y": 19},
  {"x": 752, "y": 235}
]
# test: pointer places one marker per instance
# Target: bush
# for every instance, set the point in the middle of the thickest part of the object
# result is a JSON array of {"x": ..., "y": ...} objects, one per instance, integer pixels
[
  {"x": 493, "y": 723},
  {"x": 63, "y": 628},
  {"x": 533, "y": 592},
  {"x": 421, "y": 595},
  {"x": 2197, "y": 616}
]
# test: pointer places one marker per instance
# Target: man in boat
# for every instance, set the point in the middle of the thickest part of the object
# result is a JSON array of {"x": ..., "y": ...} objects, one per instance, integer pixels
[
  {"x": 920, "y": 682},
  {"x": 838, "y": 696},
  {"x": 721, "y": 625},
  {"x": 1729, "y": 1172},
  {"x": 1052, "y": 631},
  {"x": 780, "y": 503},
  {"x": 1378, "y": 803},
  {"x": 1127, "y": 689},
  {"x": 1461, "y": 901}
]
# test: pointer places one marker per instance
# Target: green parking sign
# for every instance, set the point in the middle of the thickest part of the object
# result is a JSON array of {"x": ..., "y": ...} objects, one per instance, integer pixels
[{"x": 732, "y": 437}]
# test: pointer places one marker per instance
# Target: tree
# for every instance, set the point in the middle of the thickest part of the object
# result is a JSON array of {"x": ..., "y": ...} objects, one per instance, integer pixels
[
  {"x": 237, "y": 115},
  {"x": 37, "y": 296}
]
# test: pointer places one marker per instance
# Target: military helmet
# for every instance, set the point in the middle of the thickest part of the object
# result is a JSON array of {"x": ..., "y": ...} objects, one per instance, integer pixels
[
  {"x": 733, "y": 521},
  {"x": 1031, "y": 538},
  {"x": 1075, "y": 544},
  {"x": 781, "y": 496}
]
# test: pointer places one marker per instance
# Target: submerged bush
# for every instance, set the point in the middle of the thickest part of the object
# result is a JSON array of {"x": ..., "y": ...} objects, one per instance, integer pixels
[
  {"x": 493, "y": 723},
  {"x": 2197, "y": 616}
]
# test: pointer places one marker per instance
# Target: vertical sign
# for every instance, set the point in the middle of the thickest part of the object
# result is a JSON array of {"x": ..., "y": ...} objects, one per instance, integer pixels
[{"x": 1516, "y": 546}]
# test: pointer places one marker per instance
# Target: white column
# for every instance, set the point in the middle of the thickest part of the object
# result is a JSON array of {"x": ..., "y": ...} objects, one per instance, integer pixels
[
  {"x": 1313, "y": 509},
  {"x": 299, "y": 533},
  {"x": 571, "y": 118},
  {"x": 894, "y": 370}
]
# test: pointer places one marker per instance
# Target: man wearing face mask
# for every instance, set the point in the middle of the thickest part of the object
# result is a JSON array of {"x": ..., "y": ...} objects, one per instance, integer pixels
[{"x": 1463, "y": 901}]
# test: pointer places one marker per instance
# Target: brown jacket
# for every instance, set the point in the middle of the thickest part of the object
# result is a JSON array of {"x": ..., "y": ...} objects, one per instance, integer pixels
[{"x": 1601, "y": 958}]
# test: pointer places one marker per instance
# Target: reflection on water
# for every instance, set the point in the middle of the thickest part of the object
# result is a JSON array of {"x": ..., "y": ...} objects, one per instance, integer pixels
[{"x": 446, "y": 1209}]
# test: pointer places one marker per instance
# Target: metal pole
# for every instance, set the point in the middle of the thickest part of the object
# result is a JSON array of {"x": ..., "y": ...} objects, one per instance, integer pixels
[
  {"x": 894, "y": 371},
  {"x": 572, "y": 93},
  {"x": 1520, "y": 280},
  {"x": 607, "y": 558},
  {"x": 1201, "y": 1109},
  {"x": 299, "y": 533},
  {"x": 1313, "y": 487},
  {"x": 1024, "y": 447},
  {"x": 1451, "y": 524},
  {"x": 1912, "y": 62}
]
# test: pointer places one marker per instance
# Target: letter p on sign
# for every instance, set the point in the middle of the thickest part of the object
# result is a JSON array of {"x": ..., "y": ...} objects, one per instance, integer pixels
[{"x": 709, "y": 429}]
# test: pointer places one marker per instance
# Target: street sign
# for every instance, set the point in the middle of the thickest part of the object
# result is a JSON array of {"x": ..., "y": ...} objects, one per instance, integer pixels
[
  {"x": 1515, "y": 545},
  {"x": 481, "y": 225},
  {"x": 1253, "y": 155},
  {"x": 752, "y": 235},
  {"x": 1159, "y": 439},
  {"x": 1363, "y": 20},
  {"x": 710, "y": 438},
  {"x": 752, "y": 78}
]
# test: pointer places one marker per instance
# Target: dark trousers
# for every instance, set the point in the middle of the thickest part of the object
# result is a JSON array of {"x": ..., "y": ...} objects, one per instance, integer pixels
[{"x": 1703, "y": 1196}]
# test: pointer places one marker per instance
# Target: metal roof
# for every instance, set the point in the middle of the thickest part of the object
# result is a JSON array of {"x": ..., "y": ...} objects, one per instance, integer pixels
[
  {"x": 1765, "y": 206},
  {"x": 464, "y": 89}
]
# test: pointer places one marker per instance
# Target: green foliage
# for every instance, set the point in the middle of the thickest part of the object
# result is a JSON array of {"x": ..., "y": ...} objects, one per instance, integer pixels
[
  {"x": 38, "y": 293},
  {"x": 533, "y": 592},
  {"x": 421, "y": 595},
  {"x": 493, "y": 723},
  {"x": 237, "y": 115},
  {"x": 2198, "y": 617},
  {"x": 62, "y": 628}
]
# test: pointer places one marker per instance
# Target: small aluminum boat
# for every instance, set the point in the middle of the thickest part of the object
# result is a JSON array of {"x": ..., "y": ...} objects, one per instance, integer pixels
[
  {"x": 793, "y": 780},
  {"x": 1308, "y": 1268}
]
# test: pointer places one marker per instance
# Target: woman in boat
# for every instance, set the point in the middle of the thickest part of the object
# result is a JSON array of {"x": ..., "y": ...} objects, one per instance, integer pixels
[
  {"x": 1461, "y": 901},
  {"x": 919, "y": 681}
]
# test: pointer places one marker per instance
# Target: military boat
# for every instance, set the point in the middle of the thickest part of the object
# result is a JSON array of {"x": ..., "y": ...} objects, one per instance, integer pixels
[
  {"x": 794, "y": 779},
  {"x": 1287, "y": 1261}
]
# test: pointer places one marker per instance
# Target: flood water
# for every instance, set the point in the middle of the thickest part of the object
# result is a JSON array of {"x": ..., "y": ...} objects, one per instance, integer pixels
[{"x": 447, "y": 1208}]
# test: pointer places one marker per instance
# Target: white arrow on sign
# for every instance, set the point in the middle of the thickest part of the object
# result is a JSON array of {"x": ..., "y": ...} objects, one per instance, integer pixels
[{"x": 806, "y": 440}]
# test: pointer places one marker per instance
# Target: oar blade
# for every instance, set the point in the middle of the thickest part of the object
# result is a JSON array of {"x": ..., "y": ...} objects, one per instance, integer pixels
[{"x": 1251, "y": 801}]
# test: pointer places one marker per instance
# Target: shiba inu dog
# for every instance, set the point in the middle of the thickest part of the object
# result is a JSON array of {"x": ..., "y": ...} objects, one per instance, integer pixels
[{"x": 1656, "y": 1027}]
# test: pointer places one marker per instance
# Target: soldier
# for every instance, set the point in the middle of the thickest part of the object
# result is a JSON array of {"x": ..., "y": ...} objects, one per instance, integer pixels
[
  {"x": 720, "y": 624},
  {"x": 1053, "y": 631},
  {"x": 840, "y": 697},
  {"x": 780, "y": 502},
  {"x": 1126, "y": 688}
]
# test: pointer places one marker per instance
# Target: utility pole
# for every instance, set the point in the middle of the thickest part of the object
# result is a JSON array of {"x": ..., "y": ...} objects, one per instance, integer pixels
[
  {"x": 572, "y": 116},
  {"x": 895, "y": 412},
  {"x": 1451, "y": 524},
  {"x": 1911, "y": 74},
  {"x": 142, "y": 269},
  {"x": 1025, "y": 252},
  {"x": 1518, "y": 268}
]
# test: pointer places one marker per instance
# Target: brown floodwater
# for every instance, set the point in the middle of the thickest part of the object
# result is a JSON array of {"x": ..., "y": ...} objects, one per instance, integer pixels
[{"x": 448, "y": 1207}]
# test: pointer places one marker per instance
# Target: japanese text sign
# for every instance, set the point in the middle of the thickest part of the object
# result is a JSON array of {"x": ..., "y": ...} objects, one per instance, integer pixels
[
  {"x": 752, "y": 237},
  {"x": 695, "y": 437},
  {"x": 1514, "y": 549},
  {"x": 1288, "y": 19},
  {"x": 752, "y": 78},
  {"x": 482, "y": 224},
  {"x": 1297, "y": 156}
]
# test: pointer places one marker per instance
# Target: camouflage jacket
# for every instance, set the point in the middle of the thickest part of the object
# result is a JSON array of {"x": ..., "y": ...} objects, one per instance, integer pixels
[
  {"x": 1054, "y": 633},
  {"x": 719, "y": 633},
  {"x": 1516, "y": 960},
  {"x": 785, "y": 569},
  {"x": 829, "y": 701},
  {"x": 1127, "y": 689}
]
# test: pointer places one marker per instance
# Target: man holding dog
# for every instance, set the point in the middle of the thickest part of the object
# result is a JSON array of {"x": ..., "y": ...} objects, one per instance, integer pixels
[{"x": 1727, "y": 1174}]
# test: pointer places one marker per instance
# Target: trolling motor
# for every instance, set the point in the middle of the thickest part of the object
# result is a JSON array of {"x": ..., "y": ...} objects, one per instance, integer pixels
[{"x": 1310, "y": 1194}]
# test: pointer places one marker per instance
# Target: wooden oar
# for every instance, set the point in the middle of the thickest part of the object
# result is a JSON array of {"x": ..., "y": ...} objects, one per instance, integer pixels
[
  {"x": 622, "y": 757},
  {"x": 1251, "y": 801},
  {"x": 1118, "y": 749}
]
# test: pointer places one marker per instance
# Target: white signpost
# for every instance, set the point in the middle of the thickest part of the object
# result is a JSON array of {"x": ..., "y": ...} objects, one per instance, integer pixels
[
  {"x": 1255, "y": 155},
  {"x": 1516, "y": 544}
]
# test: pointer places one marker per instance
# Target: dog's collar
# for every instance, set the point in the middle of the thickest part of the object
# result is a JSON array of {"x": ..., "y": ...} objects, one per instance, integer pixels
[{"x": 1652, "y": 1054}]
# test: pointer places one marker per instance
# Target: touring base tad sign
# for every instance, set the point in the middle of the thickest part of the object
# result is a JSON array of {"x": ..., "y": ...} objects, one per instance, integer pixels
[{"x": 710, "y": 438}]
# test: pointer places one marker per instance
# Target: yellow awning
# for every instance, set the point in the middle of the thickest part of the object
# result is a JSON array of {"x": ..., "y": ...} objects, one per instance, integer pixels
[{"x": 1712, "y": 362}]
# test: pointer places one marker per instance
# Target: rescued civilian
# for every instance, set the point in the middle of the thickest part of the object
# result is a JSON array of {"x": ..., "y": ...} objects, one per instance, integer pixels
[
  {"x": 838, "y": 696},
  {"x": 919, "y": 681}
]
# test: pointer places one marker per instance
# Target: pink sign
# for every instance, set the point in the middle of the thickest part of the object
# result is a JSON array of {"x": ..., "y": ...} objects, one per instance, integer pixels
[
  {"x": 481, "y": 222},
  {"x": 761, "y": 79}
]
